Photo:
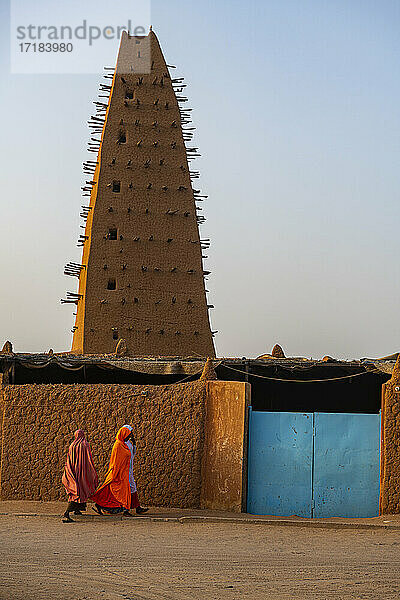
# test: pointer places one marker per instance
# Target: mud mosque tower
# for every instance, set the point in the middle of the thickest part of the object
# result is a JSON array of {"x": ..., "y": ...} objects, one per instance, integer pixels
[{"x": 141, "y": 278}]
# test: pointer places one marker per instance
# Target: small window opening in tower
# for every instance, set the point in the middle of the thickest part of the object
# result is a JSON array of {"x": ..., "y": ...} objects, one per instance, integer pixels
[
  {"x": 122, "y": 137},
  {"x": 116, "y": 186},
  {"x": 115, "y": 334},
  {"x": 112, "y": 284},
  {"x": 112, "y": 233},
  {"x": 129, "y": 95}
]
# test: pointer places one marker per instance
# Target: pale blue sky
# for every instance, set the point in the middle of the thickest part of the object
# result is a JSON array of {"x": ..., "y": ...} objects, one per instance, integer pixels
[{"x": 297, "y": 108}]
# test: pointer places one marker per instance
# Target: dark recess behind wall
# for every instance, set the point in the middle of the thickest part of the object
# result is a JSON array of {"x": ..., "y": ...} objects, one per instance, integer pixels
[
  {"x": 358, "y": 394},
  {"x": 92, "y": 374}
]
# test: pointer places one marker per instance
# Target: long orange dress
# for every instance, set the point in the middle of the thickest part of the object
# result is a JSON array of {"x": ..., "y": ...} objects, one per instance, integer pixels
[{"x": 115, "y": 492}]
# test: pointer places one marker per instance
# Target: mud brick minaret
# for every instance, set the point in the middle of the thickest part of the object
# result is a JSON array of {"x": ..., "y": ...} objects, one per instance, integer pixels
[{"x": 141, "y": 278}]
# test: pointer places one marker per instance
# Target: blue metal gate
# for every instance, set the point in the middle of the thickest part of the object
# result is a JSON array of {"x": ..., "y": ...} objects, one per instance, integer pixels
[
  {"x": 346, "y": 465},
  {"x": 313, "y": 464},
  {"x": 280, "y": 463}
]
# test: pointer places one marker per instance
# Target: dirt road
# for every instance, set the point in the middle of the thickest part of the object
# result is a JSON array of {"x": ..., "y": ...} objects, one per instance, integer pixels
[{"x": 43, "y": 559}]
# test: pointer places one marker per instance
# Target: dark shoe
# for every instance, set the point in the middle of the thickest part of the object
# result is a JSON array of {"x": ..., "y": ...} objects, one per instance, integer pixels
[
  {"x": 67, "y": 519},
  {"x": 77, "y": 512},
  {"x": 140, "y": 510},
  {"x": 126, "y": 513}
]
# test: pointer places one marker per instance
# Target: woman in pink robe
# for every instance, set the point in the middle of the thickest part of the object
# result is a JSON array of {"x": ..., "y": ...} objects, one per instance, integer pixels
[{"x": 80, "y": 477}]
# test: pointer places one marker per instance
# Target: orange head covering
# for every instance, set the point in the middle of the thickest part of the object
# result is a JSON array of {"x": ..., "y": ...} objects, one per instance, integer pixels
[
  {"x": 117, "y": 477},
  {"x": 123, "y": 433}
]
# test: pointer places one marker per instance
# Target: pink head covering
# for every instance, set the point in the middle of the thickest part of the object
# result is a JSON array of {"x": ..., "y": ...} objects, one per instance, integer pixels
[{"x": 79, "y": 478}]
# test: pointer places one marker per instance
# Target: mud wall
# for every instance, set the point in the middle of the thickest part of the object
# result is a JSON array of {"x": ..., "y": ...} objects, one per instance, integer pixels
[
  {"x": 225, "y": 446},
  {"x": 390, "y": 450},
  {"x": 143, "y": 278},
  {"x": 37, "y": 424}
]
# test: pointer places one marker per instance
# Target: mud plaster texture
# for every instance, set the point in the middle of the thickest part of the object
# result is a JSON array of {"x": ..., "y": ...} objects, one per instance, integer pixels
[
  {"x": 277, "y": 352},
  {"x": 225, "y": 456},
  {"x": 142, "y": 233},
  {"x": 390, "y": 467},
  {"x": 38, "y": 422}
]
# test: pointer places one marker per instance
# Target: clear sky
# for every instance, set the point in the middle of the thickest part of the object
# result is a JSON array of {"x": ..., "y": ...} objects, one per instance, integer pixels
[{"x": 297, "y": 108}]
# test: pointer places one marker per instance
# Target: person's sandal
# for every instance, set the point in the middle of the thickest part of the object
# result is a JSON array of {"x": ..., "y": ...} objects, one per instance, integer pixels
[
  {"x": 140, "y": 510},
  {"x": 67, "y": 519}
]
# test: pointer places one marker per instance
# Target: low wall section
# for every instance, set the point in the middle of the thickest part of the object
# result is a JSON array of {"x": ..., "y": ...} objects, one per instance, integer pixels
[
  {"x": 173, "y": 465},
  {"x": 38, "y": 422},
  {"x": 390, "y": 447}
]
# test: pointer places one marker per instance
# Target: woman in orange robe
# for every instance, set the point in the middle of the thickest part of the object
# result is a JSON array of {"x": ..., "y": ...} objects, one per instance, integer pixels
[{"x": 114, "y": 495}]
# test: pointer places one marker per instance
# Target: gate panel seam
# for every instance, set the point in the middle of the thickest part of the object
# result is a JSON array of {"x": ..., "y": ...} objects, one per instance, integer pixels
[{"x": 312, "y": 466}]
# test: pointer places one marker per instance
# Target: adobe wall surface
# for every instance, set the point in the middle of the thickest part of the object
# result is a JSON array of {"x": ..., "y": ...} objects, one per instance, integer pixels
[
  {"x": 224, "y": 459},
  {"x": 390, "y": 455},
  {"x": 37, "y": 424}
]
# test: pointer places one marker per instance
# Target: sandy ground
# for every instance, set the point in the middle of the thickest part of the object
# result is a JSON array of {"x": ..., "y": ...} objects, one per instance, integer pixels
[{"x": 42, "y": 558}]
